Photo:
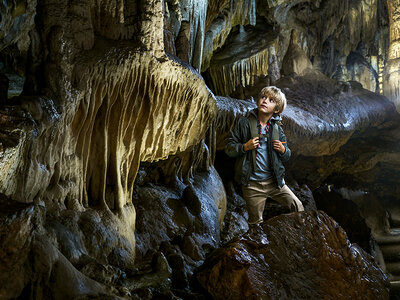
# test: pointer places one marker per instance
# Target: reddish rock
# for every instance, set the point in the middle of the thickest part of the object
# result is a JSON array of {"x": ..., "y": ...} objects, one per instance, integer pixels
[{"x": 296, "y": 256}]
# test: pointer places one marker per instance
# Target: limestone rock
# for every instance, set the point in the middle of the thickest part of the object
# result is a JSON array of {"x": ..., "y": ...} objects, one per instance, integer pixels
[
  {"x": 79, "y": 132},
  {"x": 344, "y": 210},
  {"x": 183, "y": 42},
  {"x": 56, "y": 276},
  {"x": 213, "y": 10},
  {"x": 295, "y": 60},
  {"x": 32, "y": 266},
  {"x": 391, "y": 82},
  {"x": 273, "y": 68},
  {"x": 17, "y": 19},
  {"x": 302, "y": 255},
  {"x": 320, "y": 105},
  {"x": 103, "y": 70},
  {"x": 360, "y": 70},
  {"x": 195, "y": 13},
  {"x": 188, "y": 224},
  {"x": 392, "y": 76},
  {"x": 16, "y": 128},
  {"x": 195, "y": 214},
  {"x": 324, "y": 35}
]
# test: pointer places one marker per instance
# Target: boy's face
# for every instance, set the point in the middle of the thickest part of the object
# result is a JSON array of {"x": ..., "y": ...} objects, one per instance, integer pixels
[{"x": 267, "y": 105}]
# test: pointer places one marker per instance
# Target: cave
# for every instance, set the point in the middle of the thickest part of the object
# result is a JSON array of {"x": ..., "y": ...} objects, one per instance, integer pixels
[{"x": 114, "y": 121}]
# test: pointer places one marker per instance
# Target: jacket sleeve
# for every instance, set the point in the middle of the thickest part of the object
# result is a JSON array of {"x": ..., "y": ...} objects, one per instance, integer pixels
[
  {"x": 234, "y": 146},
  {"x": 285, "y": 156}
]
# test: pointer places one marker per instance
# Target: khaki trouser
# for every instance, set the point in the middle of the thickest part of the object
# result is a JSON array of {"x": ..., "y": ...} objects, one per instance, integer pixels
[{"x": 256, "y": 194}]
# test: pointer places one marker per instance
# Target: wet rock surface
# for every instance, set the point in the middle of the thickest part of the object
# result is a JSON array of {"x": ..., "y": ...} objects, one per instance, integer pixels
[
  {"x": 188, "y": 224},
  {"x": 333, "y": 110},
  {"x": 296, "y": 256},
  {"x": 72, "y": 255}
]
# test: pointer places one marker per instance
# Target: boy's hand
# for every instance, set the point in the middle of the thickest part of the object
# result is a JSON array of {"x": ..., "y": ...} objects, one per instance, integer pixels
[
  {"x": 251, "y": 144},
  {"x": 278, "y": 146}
]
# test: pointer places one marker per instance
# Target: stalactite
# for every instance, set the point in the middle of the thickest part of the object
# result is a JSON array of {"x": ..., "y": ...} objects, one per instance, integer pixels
[
  {"x": 227, "y": 77},
  {"x": 195, "y": 13},
  {"x": 144, "y": 131},
  {"x": 128, "y": 106},
  {"x": 114, "y": 19},
  {"x": 243, "y": 13}
]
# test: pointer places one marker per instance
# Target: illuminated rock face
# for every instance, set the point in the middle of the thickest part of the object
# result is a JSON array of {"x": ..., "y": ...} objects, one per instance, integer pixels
[
  {"x": 149, "y": 107},
  {"x": 319, "y": 106},
  {"x": 110, "y": 93},
  {"x": 118, "y": 84},
  {"x": 303, "y": 255}
]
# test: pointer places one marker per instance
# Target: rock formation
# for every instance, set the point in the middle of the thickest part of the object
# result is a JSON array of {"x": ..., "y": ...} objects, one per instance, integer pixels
[
  {"x": 114, "y": 115},
  {"x": 295, "y": 60},
  {"x": 390, "y": 84},
  {"x": 320, "y": 262}
]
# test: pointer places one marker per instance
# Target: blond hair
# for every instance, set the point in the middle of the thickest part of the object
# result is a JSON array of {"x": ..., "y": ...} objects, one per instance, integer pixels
[{"x": 277, "y": 94}]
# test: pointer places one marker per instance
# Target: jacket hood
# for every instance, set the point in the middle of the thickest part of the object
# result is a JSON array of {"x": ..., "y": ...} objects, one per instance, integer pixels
[{"x": 276, "y": 118}]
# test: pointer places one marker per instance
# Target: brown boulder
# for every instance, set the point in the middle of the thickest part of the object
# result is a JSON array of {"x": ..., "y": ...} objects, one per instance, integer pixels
[{"x": 295, "y": 256}]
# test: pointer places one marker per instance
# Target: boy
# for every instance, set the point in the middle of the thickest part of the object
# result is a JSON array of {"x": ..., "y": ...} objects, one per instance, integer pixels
[{"x": 259, "y": 145}]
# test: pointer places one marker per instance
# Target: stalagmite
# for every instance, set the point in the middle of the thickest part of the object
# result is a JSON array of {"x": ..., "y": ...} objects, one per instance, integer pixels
[
  {"x": 295, "y": 60},
  {"x": 391, "y": 82}
]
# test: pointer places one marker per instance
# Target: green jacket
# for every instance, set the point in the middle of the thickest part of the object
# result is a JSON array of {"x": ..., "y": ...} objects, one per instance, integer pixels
[{"x": 240, "y": 134}]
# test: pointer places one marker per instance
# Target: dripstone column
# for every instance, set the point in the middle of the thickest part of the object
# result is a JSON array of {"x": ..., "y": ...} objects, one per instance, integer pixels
[{"x": 391, "y": 82}]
